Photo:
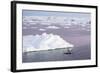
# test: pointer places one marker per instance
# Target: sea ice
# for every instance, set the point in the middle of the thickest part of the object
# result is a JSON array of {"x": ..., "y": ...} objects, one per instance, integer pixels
[{"x": 52, "y": 27}]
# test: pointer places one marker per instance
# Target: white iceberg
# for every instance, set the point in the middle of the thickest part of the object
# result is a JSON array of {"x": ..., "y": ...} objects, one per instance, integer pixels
[{"x": 44, "y": 42}]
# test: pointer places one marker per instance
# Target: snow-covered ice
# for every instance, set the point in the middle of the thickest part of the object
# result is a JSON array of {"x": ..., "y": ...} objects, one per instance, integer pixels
[{"x": 44, "y": 42}]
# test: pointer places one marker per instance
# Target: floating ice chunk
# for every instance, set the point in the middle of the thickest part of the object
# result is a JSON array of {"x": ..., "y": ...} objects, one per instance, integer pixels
[
  {"x": 52, "y": 27},
  {"x": 44, "y": 42},
  {"x": 34, "y": 27},
  {"x": 42, "y": 29}
]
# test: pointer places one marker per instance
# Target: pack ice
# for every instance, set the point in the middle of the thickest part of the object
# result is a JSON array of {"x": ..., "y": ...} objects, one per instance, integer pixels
[{"x": 44, "y": 42}]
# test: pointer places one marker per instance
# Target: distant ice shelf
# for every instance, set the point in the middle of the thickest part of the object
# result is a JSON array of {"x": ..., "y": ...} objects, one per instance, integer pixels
[{"x": 44, "y": 42}]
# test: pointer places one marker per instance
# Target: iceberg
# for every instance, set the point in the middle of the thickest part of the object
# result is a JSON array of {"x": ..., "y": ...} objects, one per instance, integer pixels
[{"x": 44, "y": 42}]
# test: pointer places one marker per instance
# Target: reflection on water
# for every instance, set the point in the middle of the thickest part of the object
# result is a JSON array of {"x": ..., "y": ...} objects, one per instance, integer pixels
[{"x": 78, "y": 53}]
